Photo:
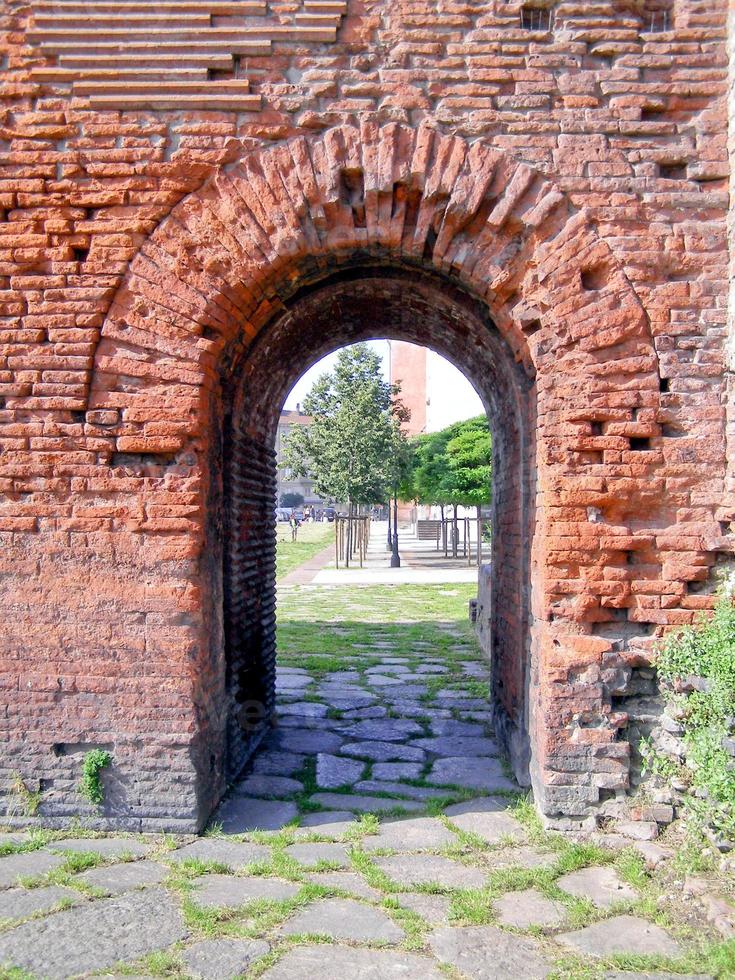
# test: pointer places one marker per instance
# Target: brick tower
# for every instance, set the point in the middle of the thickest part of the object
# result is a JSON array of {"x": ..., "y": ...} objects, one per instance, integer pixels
[{"x": 408, "y": 368}]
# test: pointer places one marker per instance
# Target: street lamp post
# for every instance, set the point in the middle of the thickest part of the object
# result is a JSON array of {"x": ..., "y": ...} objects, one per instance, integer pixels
[{"x": 395, "y": 558}]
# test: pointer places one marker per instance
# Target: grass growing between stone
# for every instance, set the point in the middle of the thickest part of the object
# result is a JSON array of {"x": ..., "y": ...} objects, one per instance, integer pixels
[
  {"x": 332, "y": 629},
  {"x": 706, "y": 959}
]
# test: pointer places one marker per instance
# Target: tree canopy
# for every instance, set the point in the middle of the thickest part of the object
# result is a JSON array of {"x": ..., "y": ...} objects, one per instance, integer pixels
[
  {"x": 452, "y": 466},
  {"x": 353, "y": 447}
]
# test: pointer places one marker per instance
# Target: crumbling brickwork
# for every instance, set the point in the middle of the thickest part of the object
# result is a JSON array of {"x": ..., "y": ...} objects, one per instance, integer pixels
[{"x": 194, "y": 211}]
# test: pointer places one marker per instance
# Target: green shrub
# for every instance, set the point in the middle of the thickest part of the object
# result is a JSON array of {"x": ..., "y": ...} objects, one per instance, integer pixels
[
  {"x": 91, "y": 784},
  {"x": 706, "y": 652}
]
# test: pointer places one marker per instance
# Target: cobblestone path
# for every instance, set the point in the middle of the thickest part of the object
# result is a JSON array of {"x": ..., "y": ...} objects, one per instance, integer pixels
[{"x": 377, "y": 835}]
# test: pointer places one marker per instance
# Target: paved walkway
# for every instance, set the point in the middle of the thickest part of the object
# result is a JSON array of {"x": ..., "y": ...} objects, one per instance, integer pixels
[
  {"x": 376, "y": 835},
  {"x": 421, "y": 564}
]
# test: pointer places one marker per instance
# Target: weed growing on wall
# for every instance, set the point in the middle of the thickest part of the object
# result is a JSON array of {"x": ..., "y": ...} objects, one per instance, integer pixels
[
  {"x": 91, "y": 784},
  {"x": 697, "y": 667},
  {"x": 25, "y": 800}
]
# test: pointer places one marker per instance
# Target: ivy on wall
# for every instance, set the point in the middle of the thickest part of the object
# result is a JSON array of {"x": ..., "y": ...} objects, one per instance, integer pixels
[{"x": 696, "y": 666}]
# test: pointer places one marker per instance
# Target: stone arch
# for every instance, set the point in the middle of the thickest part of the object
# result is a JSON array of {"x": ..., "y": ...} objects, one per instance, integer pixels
[{"x": 205, "y": 296}]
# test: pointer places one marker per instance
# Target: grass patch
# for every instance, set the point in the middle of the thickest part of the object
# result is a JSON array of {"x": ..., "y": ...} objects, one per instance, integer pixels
[
  {"x": 373, "y": 875},
  {"x": 312, "y": 538},
  {"x": 708, "y": 959}
]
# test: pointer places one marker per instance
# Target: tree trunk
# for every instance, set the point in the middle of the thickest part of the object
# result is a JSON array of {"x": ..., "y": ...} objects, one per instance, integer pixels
[
  {"x": 348, "y": 548},
  {"x": 455, "y": 532}
]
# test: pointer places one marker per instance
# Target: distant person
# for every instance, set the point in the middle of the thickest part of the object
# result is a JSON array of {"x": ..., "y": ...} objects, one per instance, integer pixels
[{"x": 293, "y": 521}]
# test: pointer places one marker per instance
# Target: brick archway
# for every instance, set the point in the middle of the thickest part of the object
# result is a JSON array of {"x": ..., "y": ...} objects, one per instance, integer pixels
[{"x": 524, "y": 295}]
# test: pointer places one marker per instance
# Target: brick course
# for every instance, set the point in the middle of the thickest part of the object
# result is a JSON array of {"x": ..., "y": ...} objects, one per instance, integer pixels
[{"x": 547, "y": 208}]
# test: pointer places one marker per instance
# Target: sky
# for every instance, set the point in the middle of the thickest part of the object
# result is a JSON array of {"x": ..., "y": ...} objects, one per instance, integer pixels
[{"x": 450, "y": 395}]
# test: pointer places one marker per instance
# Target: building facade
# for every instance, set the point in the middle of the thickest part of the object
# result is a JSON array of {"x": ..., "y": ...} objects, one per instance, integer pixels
[
  {"x": 197, "y": 202},
  {"x": 286, "y": 482}
]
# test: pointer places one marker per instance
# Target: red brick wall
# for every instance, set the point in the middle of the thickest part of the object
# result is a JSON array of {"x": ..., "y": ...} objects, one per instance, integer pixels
[{"x": 551, "y": 208}]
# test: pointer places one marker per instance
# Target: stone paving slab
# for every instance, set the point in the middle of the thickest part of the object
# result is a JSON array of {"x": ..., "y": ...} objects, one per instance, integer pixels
[
  {"x": 363, "y": 804},
  {"x": 327, "y": 823},
  {"x": 29, "y": 864},
  {"x": 310, "y": 854},
  {"x": 330, "y": 689},
  {"x": 486, "y": 817},
  {"x": 487, "y": 953},
  {"x": 434, "y": 909},
  {"x": 222, "y": 959},
  {"x": 382, "y": 680},
  {"x": 118, "y": 878},
  {"x": 301, "y": 722},
  {"x": 304, "y": 740},
  {"x": 353, "y": 702},
  {"x": 398, "y": 789},
  {"x": 232, "y": 891},
  {"x": 108, "y": 847},
  {"x": 277, "y": 763},
  {"x": 240, "y": 814},
  {"x": 466, "y": 746},
  {"x": 333, "y": 771},
  {"x": 344, "y": 963},
  {"x": 414, "y": 834},
  {"x": 408, "y": 870},
  {"x": 304, "y": 709},
  {"x": 383, "y": 730},
  {"x": 346, "y": 881},
  {"x": 343, "y": 918},
  {"x": 94, "y": 936},
  {"x": 482, "y": 773},
  {"x": 359, "y": 714},
  {"x": 453, "y": 700},
  {"x": 622, "y": 934},
  {"x": 403, "y": 692},
  {"x": 379, "y": 751},
  {"x": 265, "y": 784},
  {"x": 292, "y": 683},
  {"x": 396, "y": 770},
  {"x": 522, "y": 857},
  {"x": 226, "y": 852},
  {"x": 602, "y": 886},
  {"x": 524, "y": 909},
  {"x": 17, "y": 903},
  {"x": 451, "y": 728}
]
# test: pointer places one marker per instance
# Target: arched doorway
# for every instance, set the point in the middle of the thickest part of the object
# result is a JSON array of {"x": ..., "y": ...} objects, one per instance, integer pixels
[
  {"x": 298, "y": 249},
  {"x": 359, "y": 304}
]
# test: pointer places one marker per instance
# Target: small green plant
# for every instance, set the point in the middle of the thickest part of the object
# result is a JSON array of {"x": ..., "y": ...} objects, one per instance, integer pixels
[
  {"x": 26, "y": 801},
  {"x": 701, "y": 659},
  {"x": 91, "y": 785}
]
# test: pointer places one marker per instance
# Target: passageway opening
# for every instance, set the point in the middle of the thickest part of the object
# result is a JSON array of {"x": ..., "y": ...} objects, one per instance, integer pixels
[{"x": 367, "y": 302}]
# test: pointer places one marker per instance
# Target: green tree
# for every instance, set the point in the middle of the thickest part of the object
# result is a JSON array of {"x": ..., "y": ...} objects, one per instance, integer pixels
[
  {"x": 469, "y": 466},
  {"x": 350, "y": 447},
  {"x": 426, "y": 480},
  {"x": 452, "y": 467},
  {"x": 469, "y": 462}
]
